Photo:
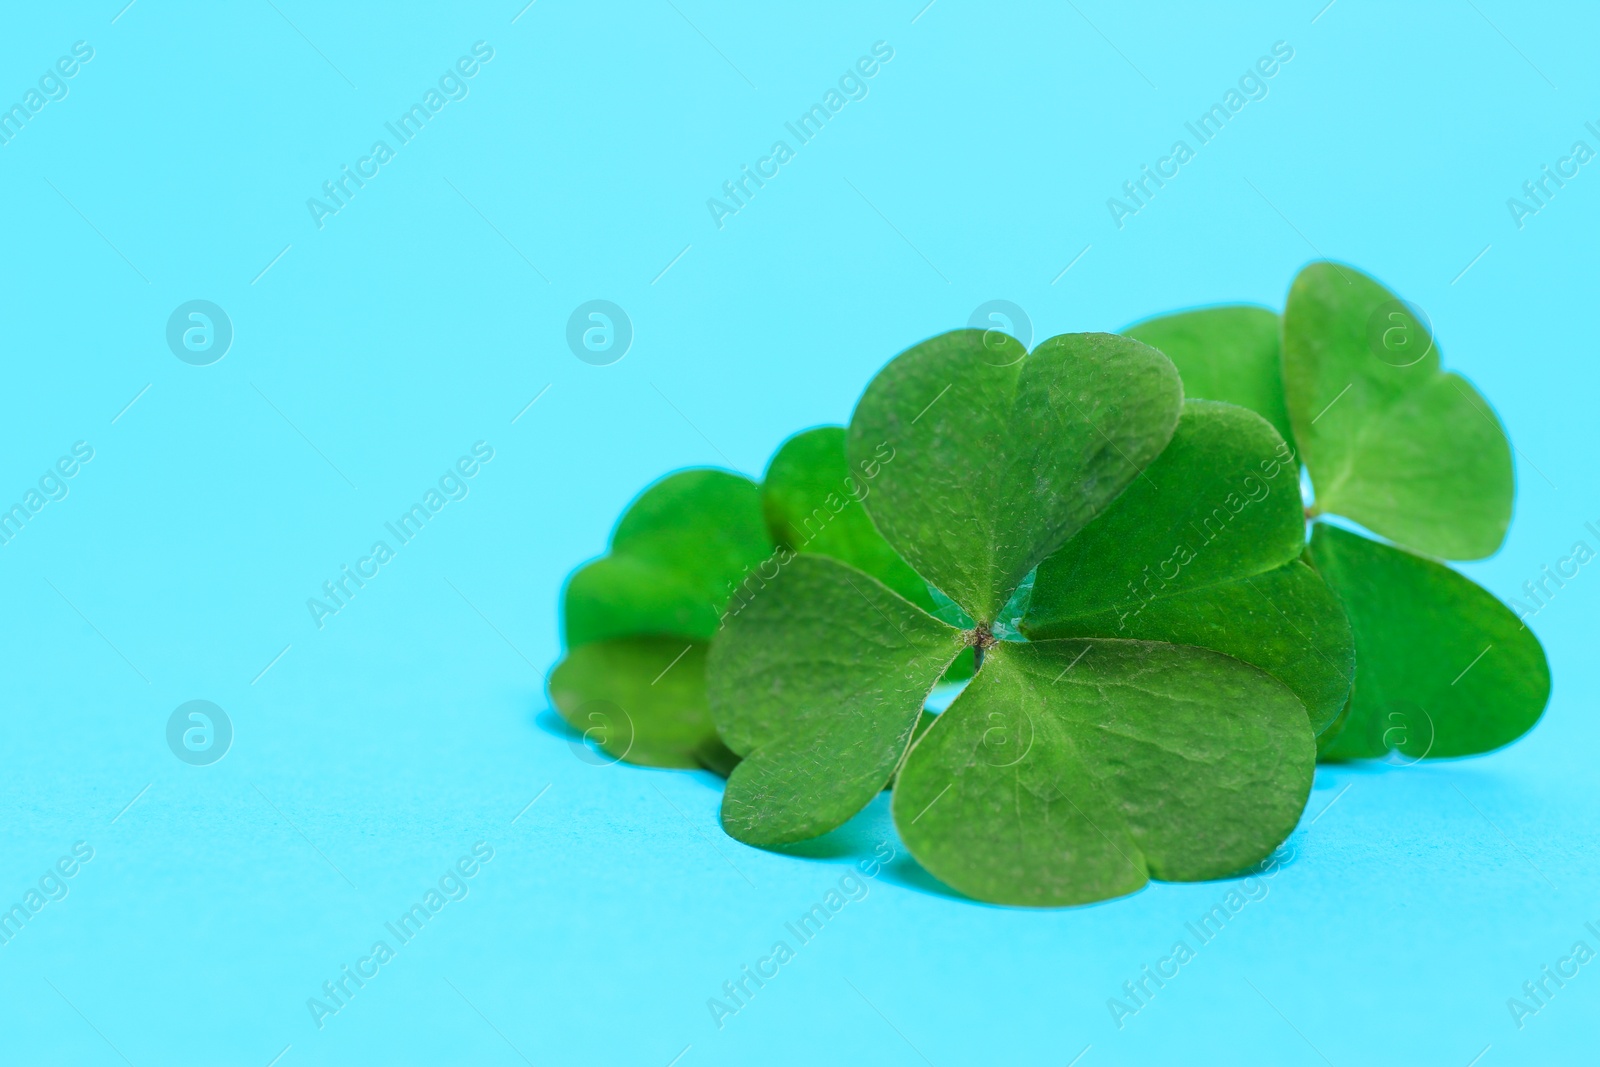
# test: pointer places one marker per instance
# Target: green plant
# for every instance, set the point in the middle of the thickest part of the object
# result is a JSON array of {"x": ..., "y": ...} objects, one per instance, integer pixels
[
  {"x": 637, "y": 621},
  {"x": 1155, "y": 652},
  {"x": 1415, "y": 455}
]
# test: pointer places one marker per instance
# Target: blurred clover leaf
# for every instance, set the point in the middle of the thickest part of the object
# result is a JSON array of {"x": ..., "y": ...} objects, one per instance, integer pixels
[
  {"x": 1229, "y": 353},
  {"x": 638, "y": 621},
  {"x": 1067, "y": 771},
  {"x": 676, "y": 556},
  {"x": 1412, "y": 453}
]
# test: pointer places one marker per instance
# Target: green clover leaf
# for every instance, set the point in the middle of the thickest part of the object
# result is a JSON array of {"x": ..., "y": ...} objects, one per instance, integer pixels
[
  {"x": 813, "y": 503},
  {"x": 676, "y": 556},
  {"x": 640, "y": 699},
  {"x": 1230, "y": 353},
  {"x": 1445, "y": 668},
  {"x": 1414, "y": 454},
  {"x": 638, "y": 620},
  {"x": 1074, "y": 771},
  {"x": 819, "y": 682},
  {"x": 1204, "y": 549},
  {"x": 1391, "y": 441},
  {"x": 1002, "y": 455},
  {"x": 1160, "y": 657}
]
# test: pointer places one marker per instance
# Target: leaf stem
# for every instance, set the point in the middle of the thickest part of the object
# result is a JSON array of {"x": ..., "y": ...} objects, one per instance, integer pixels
[{"x": 980, "y": 638}]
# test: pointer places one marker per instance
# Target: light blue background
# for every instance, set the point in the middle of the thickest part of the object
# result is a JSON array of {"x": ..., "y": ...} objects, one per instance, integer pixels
[{"x": 378, "y": 349}]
